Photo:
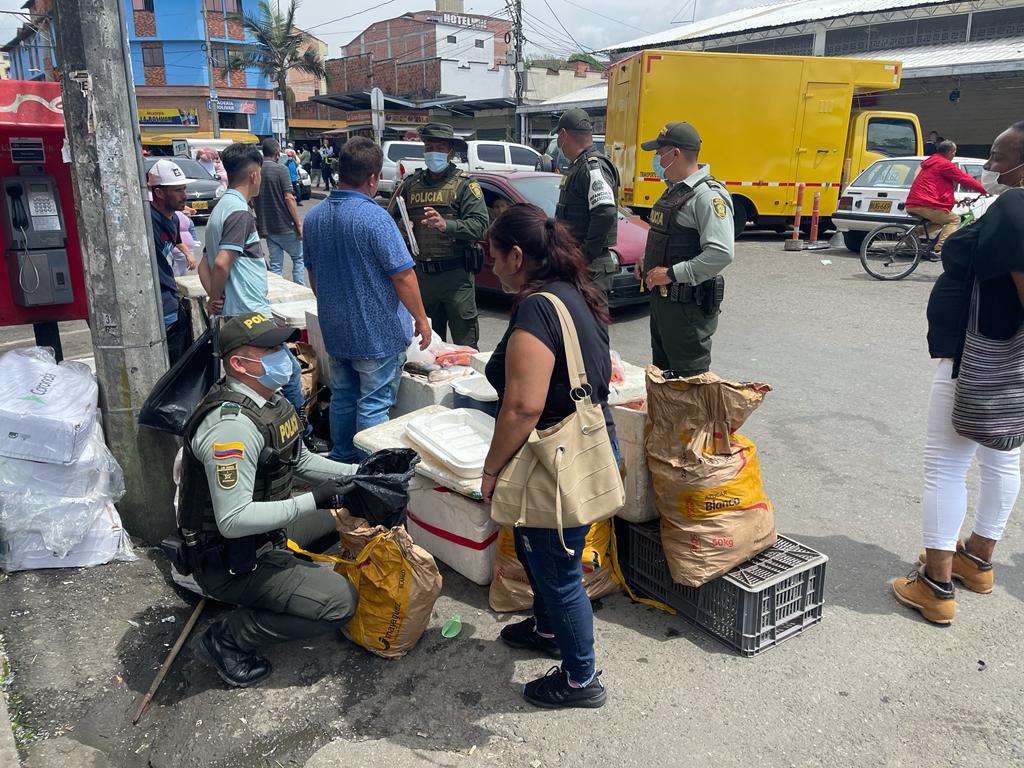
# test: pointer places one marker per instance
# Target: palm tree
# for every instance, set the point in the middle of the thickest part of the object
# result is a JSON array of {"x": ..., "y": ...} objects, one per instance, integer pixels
[{"x": 277, "y": 46}]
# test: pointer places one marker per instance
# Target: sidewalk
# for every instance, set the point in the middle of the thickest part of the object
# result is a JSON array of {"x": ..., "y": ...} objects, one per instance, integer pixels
[{"x": 8, "y": 751}]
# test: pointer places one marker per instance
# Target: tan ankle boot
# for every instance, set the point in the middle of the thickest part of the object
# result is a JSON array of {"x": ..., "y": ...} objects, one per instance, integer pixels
[
  {"x": 921, "y": 593},
  {"x": 973, "y": 572}
]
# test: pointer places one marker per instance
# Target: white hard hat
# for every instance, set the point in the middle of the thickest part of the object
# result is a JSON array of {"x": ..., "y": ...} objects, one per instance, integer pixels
[{"x": 166, "y": 173}]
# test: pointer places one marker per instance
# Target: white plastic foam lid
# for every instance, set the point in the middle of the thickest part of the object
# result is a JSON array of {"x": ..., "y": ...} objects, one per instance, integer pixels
[
  {"x": 459, "y": 438},
  {"x": 476, "y": 387}
]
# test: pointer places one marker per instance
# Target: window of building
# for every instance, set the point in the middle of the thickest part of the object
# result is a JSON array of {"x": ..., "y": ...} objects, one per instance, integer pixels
[
  {"x": 234, "y": 121},
  {"x": 142, "y": 5},
  {"x": 224, "y": 6},
  {"x": 801, "y": 45},
  {"x": 478, "y": 43},
  {"x": 899, "y": 34},
  {"x": 219, "y": 57},
  {"x": 1008, "y": 22},
  {"x": 152, "y": 54},
  {"x": 452, "y": 39}
]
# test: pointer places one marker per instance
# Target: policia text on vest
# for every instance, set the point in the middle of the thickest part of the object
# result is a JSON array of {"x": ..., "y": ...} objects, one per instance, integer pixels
[{"x": 448, "y": 260}]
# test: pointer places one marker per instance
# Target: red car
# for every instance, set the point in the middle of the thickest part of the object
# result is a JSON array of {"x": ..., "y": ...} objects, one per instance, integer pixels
[{"x": 541, "y": 189}]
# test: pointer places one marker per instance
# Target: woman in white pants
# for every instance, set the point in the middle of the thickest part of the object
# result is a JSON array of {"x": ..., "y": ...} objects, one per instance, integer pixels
[{"x": 991, "y": 251}]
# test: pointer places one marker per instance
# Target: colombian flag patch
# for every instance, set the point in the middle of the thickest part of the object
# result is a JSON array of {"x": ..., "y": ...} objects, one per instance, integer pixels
[{"x": 228, "y": 451}]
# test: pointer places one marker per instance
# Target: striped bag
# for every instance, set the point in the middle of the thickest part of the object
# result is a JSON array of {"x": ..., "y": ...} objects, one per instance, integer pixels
[{"x": 988, "y": 407}]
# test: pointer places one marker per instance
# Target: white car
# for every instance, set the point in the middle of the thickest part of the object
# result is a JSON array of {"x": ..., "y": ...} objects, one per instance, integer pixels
[
  {"x": 306, "y": 184},
  {"x": 500, "y": 156},
  {"x": 394, "y": 153},
  {"x": 879, "y": 196}
]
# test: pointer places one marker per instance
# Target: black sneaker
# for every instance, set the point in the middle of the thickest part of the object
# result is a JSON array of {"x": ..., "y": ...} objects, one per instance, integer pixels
[
  {"x": 236, "y": 667},
  {"x": 523, "y": 634},
  {"x": 554, "y": 692}
]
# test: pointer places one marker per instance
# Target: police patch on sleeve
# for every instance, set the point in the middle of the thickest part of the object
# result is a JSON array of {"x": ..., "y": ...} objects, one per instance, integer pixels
[
  {"x": 227, "y": 475},
  {"x": 719, "y": 207},
  {"x": 474, "y": 187},
  {"x": 600, "y": 192}
]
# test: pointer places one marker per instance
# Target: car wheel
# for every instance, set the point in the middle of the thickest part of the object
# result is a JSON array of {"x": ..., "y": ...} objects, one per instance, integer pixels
[{"x": 854, "y": 240}]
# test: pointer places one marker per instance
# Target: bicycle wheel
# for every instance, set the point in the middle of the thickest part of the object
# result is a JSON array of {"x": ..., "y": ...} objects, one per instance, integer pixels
[{"x": 890, "y": 252}]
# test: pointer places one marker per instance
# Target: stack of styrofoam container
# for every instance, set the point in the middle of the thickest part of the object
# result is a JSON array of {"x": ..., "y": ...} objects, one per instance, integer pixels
[
  {"x": 457, "y": 531},
  {"x": 630, "y": 418},
  {"x": 293, "y": 313}
]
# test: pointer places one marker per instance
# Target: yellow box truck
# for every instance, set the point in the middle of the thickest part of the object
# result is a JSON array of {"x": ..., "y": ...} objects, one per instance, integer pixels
[{"x": 767, "y": 124}]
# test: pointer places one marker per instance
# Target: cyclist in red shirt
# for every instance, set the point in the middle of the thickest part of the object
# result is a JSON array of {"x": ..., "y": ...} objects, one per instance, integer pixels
[{"x": 931, "y": 194}]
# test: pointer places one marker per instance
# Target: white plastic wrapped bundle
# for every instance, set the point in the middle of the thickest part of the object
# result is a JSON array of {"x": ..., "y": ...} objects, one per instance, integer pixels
[
  {"x": 47, "y": 410},
  {"x": 105, "y": 540}
]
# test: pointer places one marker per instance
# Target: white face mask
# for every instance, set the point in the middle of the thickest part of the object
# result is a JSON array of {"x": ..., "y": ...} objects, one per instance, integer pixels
[{"x": 990, "y": 180}]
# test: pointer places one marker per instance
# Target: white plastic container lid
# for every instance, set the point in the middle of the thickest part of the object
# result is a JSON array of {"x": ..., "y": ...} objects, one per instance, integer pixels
[
  {"x": 476, "y": 387},
  {"x": 293, "y": 313},
  {"x": 459, "y": 438}
]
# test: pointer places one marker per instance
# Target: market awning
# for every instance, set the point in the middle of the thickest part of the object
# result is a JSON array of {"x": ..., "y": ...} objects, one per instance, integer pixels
[{"x": 164, "y": 138}]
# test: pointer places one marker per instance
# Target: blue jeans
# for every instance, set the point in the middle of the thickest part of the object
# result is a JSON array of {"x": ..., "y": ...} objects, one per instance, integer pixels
[
  {"x": 292, "y": 243},
  {"x": 362, "y": 393}
]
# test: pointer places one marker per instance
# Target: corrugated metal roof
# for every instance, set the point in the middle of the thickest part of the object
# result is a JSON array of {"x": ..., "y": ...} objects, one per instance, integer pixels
[
  {"x": 766, "y": 17},
  {"x": 592, "y": 95},
  {"x": 956, "y": 58}
]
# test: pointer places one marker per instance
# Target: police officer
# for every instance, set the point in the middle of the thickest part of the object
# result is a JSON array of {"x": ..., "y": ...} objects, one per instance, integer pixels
[
  {"x": 242, "y": 452},
  {"x": 690, "y": 242},
  {"x": 587, "y": 199},
  {"x": 449, "y": 215}
]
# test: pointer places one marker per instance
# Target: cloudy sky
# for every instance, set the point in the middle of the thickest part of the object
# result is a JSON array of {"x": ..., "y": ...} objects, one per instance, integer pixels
[{"x": 592, "y": 23}]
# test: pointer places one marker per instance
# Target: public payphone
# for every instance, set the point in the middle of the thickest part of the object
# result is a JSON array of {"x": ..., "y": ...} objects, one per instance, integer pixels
[{"x": 37, "y": 257}]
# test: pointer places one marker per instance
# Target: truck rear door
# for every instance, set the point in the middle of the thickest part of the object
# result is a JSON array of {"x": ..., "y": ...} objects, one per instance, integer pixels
[{"x": 820, "y": 151}]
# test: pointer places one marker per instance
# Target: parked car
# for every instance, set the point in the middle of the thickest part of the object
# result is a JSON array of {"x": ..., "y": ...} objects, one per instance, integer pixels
[
  {"x": 500, "y": 156},
  {"x": 541, "y": 189},
  {"x": 879, "y": 196},
  {"x": 394, "y": 153},
  {"x": 306, "y": 183},
  {"x": 559, "y": 163},
  {"x": 203, "y": 190}
]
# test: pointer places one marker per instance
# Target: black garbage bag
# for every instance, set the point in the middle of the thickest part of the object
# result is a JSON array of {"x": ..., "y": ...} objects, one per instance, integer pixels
[
  {"x": 177, "y": 393},
  {"x": 381, "y": 487}
]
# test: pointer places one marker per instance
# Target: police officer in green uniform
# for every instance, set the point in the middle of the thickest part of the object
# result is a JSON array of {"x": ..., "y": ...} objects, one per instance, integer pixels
[
  {"x": 690, "y": 242},
  {"x": 588, "y": 195},
  {"x": 242, "y": 452},
  {"x": 449, "y": 215}
]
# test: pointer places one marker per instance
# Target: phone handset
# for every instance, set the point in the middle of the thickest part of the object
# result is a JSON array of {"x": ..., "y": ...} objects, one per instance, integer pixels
[{"x": 19, "y": 221}]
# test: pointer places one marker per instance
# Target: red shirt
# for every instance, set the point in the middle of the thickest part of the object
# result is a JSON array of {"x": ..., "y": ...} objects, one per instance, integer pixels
[{"x": 935, "y": 182}]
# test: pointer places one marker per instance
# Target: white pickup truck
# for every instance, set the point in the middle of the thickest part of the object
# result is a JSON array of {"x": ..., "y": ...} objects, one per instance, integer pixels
[{"x": 403, "y": 158}]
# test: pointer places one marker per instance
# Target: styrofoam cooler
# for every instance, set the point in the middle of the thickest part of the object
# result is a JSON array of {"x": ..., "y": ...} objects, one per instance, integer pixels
[
  {"x": 415, "y": 393},
  {"x": 457, "y": 531},
  {"x": 293, "y": 313},
  {"x": 476, "y": 392},
  {"x": 479, "y": 361},
  {"x": 629, "y": 428}
]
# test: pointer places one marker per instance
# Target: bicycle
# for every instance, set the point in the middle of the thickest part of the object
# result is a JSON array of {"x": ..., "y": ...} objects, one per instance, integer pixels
[{"x": 893, "y": 251}]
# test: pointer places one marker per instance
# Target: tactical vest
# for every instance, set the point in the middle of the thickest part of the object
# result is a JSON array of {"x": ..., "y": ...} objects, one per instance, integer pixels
[
  {"x": 279, "y": 425},
  {"x": 573, "y": 206},
  {"x": 667, "y": 242},
  {"x": 442, "y": 197}
]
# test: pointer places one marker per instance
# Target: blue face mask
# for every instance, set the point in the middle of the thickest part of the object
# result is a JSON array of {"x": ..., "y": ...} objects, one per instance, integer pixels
[
  {"x": 659, "y": 169},
  {"x": 436, "y": 161},
  {"x": 277, "y": 369}
]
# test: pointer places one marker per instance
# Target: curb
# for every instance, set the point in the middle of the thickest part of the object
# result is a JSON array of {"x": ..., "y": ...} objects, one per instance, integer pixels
[{"x": 8, "y": 750}]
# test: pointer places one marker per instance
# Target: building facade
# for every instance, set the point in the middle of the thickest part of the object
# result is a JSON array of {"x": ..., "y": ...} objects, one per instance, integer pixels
[
  {"x": 32, "y": 53},
  {"x": 303, "y": 85}
]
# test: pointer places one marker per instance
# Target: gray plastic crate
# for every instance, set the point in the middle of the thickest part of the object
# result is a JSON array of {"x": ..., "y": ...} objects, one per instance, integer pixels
[{"x": 758, "y": 604}]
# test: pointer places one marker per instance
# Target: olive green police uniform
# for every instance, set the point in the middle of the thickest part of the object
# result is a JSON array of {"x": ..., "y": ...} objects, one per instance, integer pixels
[
  {"x": 587, "y": 203},
  {"x": 241, "y": 455},
  {"x": 691, "y": 233},
  {"x": 446, "y": 285}
]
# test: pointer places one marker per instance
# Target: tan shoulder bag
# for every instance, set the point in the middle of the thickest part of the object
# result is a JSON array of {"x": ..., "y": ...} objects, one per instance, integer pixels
[{"x": 564, "y": 476}]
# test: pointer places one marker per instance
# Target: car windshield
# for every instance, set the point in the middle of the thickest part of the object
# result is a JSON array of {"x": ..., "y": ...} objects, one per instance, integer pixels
[
  {"x": 190, "y": 168},
  {"x": 539, "y": 190},
  {"x": 895, "y": 174}
]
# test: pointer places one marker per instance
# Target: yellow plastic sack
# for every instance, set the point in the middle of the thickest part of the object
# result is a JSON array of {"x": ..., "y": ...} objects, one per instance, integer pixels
[
  {"x": 510, "y": 588},
  {"x": 397, "y": 582},
  {"x": 706, "y": 476}
]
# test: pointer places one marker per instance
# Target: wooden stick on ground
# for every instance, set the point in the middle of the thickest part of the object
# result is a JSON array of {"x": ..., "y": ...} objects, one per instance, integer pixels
[{"x": 171, "y": 656}]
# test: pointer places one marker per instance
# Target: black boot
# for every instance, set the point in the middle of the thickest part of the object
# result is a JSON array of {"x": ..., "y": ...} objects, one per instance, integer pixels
[{"x": 236, "y": 667}]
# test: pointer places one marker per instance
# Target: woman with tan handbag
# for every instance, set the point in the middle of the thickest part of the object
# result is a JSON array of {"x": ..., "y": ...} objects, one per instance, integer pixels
[{"x": 552, "y": 465}]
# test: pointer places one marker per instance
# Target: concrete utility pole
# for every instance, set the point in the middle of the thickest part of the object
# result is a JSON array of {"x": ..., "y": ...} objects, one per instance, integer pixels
[
  {"x": 517, "y": 32},
  {"x": 120, "y": 275},
  {"x": 214, "y": 101}
]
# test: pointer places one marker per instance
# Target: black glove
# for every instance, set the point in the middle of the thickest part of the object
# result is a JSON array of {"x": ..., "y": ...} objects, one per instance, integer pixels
[{"x": 325, "y": 493}]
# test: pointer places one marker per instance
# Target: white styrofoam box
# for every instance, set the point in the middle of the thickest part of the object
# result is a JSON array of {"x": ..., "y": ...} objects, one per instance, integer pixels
[
  {"x": 479, "y": 361},
  {"x": 47, "y": 411},
  {"x": 634, "y": 386},
  {"x": 316, "y": 340},
  {"x": 293, "y": 313},
  {"x": 90, "y": 471},
  {"x": 280, "y": 290},
  {"x": 459, "y": 438},
  {"x": 457, "y": 531},
  {"x": 105, "y": 541},
  {"x": 415, "y": 392},
  {"x": 190, "y": 287},
  {"x": 629, "y": 429}
]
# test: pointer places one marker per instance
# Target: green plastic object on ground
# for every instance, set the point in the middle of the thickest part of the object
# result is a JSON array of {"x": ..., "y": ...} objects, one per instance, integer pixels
[{"x": 452, "y": 627}]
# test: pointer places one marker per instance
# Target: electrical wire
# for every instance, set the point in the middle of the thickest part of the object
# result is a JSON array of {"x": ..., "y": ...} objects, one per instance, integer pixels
[
  {"x": 349, "y": 16},
  {"x": 581, "y": 47},
  {"x": 609, "y": 18}
]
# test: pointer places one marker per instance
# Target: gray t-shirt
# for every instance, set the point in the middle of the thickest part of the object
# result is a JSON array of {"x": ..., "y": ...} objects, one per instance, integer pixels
[{"x": 272, "y": 216}]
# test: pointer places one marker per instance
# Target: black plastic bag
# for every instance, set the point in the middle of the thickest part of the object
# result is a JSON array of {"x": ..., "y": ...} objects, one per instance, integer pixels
[
  {"x": 381, "y": 492},
  {"x": 178, "y": 392}
]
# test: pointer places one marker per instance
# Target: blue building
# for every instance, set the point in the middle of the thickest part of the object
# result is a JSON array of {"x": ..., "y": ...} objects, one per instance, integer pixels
[{"x": 170, "y": 57}]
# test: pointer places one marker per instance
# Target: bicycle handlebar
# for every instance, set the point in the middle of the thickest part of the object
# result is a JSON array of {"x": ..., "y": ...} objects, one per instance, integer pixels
[{"x": 970, "y": 201}]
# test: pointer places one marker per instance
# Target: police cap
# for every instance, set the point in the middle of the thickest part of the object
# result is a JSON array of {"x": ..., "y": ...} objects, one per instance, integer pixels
[
  {"x": 442, "y": 131},
  {"x": 254, "y": 329},
  {"x": 682, "y": 135},
  {"x": 575, "y": 119}
]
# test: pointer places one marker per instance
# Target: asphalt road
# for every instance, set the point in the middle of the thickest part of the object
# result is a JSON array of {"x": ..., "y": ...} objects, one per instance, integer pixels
[{"x": 840, "y": 439}]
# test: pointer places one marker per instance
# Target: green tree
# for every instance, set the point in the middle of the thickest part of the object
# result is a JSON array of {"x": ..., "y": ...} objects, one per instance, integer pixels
[
  {"x": 276, "y": 48},
  {"x": 589, "y": 59}
]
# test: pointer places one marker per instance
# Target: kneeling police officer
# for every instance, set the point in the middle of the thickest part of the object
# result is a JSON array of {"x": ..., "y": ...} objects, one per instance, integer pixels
[
  {"x": 691, "y": 240},
  {"x": 243, "y": 450}
]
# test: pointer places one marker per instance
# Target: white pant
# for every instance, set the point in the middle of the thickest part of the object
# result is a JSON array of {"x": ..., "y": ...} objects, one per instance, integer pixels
[{"x": 947, "y": 457}]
